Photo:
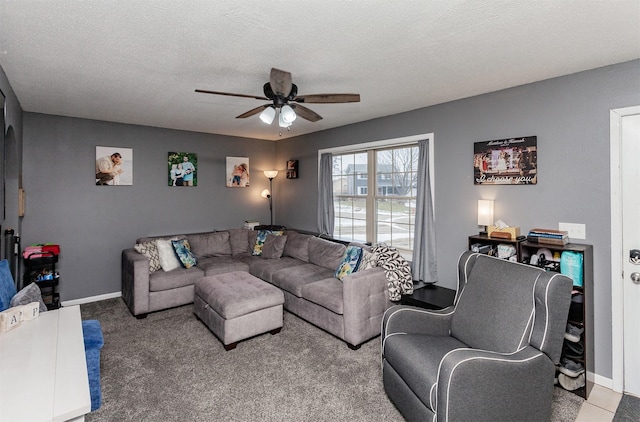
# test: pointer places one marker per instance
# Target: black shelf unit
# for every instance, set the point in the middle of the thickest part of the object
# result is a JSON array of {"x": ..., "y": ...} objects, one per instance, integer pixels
[
  {"x": 40, "y": 268},
  {"x": 580, "y": 317},
  {"x": 493, "y": 242}
]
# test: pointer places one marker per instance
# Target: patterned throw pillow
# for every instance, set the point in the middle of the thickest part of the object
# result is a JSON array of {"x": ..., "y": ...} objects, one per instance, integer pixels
[
  {"x": 396, "y": 269},
  {"x": 350, "y": 262},
  {"x": 183, "y": 251},
  {"x": 150, "y": 250},
  {"x": 260, "y": 238},
  {"x": 369, "y": 260}
]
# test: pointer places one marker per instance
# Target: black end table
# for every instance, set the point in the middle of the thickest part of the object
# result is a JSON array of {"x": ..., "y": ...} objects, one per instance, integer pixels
[{"x": 430, "y": 297}]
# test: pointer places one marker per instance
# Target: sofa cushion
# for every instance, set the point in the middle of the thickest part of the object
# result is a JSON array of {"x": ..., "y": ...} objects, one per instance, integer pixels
[
  {"x": 325, "y": 253},
  {"x": 238, "y": 238},
  {"x": 150, "y": 250},
  {"x": 273, "y": 246},
  {"x": 293, "y": 279},
  {"x": 266, "y": 268},
  {"x": 326, "y": 293},
  {"x": 183, "y": 252},
  {"x": 350, "y": 262},
  {"x": 210, "y": 244},
  {"x": 180, "y": 277},
  {"x": 213, "y": 265},
  {"x": 297, "y": 245},
  {"x": 168, "y": 259}
]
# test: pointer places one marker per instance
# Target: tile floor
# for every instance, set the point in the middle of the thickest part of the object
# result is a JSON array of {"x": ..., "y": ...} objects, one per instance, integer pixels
[{"x": 601, "y": 406}]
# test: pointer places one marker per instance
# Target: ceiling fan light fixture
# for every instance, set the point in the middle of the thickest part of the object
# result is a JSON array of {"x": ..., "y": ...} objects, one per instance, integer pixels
[
  {"x": 287, "y": 114},
  {"x": 268, "y": 115},
  {"x": 281, "y": 121}
]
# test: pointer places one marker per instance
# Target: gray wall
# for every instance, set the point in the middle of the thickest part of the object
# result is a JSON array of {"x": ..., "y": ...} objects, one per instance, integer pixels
[
  {"x": 93, "y": 224},
  {"x": 570, "y": 117}
]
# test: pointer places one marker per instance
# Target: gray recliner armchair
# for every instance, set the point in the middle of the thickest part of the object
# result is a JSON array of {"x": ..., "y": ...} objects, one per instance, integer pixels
[{"x": 489, "y": 357}]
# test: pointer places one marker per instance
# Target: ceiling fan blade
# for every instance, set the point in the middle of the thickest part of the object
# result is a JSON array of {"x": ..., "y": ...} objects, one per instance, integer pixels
[
  {"x": 328, "y": 98},
  {"x": 253, "y": 111},
  {"x": 280, "y": 82},
  {"x": 204, "y": 91},
  {"x": 306, "y": 113}
]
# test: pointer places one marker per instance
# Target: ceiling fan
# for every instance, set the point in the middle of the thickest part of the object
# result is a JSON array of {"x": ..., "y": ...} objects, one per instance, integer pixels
[{"x": 284, "y": 98}]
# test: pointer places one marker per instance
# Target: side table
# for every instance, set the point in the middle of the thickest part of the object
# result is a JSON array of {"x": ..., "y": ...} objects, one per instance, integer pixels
[{"x": 430, "y": 297}]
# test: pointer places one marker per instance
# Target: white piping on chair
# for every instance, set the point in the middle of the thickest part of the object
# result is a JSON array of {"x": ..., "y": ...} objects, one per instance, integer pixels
[{"x": 478, "y": 358}]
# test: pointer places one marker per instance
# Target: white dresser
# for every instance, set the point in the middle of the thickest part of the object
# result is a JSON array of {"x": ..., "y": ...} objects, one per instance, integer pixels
[{"x": 43, "y": 369}]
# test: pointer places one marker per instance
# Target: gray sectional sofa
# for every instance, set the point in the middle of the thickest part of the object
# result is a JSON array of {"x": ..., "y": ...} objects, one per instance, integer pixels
[{"x": 351, "y": 308}]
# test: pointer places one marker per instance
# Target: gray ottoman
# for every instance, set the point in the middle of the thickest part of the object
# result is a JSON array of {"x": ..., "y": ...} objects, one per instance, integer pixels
[{"x": 237, "y": 305}]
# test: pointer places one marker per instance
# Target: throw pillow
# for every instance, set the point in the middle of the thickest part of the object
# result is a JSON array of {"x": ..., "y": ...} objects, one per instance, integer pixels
[
  {"x": 150, "y": 250},
  {"x": 7, "y": 286},
  {"x": 273, "y": 246},
  {"x": 183, "y": 251},
  {"x": 297, "y": 246},
  {"x": 31, "y": 293},
  {"x": 167, "y": 254},
  {"x": 260, "y": 238},
  {"x": 350, "y": 262},
  {"x": 369, "y": 260}
]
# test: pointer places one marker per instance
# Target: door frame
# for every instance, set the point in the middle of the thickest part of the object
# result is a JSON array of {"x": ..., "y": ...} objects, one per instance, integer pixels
[{"x": 617, "y": 290}]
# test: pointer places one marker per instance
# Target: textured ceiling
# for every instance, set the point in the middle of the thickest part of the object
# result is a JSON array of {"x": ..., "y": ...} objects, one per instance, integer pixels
[{"x": 140, "y": 61}]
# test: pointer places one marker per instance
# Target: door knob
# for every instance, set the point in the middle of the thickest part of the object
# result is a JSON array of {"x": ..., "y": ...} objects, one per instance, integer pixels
[
  {"x": 634, "y": 256},
  {"x": 635, "y": 277}
]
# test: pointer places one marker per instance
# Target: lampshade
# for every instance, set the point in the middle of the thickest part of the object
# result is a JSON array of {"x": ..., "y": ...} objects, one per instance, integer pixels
[
  {"x": 287, "y": 114},
  {"x": 270, "y": 174},
  {"x": 485, "y": 212},
  {"x": 268, "y": 114},
  {"x": 281, "y": 121},
  {"x": 265, "y": 193}
]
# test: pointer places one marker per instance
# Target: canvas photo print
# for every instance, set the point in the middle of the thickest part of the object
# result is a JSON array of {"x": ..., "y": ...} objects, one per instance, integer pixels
[
  {"x": 114, "y": 166},
  {"x": 183, "y": 169},
  {"x": 511, "y": 161},
  {"x": 237, "y": 172}
]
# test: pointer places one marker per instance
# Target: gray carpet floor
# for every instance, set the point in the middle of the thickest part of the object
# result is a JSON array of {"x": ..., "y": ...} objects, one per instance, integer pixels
[{"x": 169, "y": 367}]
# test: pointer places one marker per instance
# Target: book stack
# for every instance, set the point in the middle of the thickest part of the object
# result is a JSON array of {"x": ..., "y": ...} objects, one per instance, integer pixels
[
  {"x": 250, "y": 224},
  {"x": 548, "y": 236}
]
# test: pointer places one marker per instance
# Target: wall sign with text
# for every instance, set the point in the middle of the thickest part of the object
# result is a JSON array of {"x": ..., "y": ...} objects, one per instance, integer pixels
[{"x": 511, "y": 161}]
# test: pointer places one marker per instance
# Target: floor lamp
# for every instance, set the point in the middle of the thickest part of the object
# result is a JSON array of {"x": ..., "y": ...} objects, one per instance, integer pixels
[{"x": 268, "y": 193}]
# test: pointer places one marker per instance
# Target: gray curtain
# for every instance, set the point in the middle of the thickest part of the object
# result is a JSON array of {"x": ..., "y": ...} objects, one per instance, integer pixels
[
  {"x": 424, "y": 242},
  {"x": 325, "y": 195}
]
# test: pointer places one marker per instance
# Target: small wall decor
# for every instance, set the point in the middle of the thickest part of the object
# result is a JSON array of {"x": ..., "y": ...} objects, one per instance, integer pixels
[
  {"x": 506, "y": 162},
  {"x": 183, "y": 169},
  {"x": 292, "y": 169},
  {"x": 237, "y": 172},
  {"x": 114, "y": 166}
]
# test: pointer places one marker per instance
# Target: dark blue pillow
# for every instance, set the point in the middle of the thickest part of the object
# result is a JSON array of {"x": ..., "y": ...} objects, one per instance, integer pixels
[{"x": 7, "y": 286}]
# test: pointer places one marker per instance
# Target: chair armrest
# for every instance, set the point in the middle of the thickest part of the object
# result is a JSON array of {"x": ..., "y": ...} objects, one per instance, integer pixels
[
  {"x": 482, "y": 385},
  {"x": 365, "y": 298},
  {"x": 414, "y": 320},
  {"x": 135, "y": 281}
]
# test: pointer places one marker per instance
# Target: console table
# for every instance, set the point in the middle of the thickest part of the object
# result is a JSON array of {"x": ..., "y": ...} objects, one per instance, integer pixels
[{"x": 43, "y": 369}]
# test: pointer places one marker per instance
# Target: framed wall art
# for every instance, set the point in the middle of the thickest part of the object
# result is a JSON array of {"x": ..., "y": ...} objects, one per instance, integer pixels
[
  {"x": 237, "y": 172},
  {"x": 292, "y": 169},
  {"x": 511, "y": 161},
  {"x": 114, "y": 166},
  {"x": 183, "y": 169}
]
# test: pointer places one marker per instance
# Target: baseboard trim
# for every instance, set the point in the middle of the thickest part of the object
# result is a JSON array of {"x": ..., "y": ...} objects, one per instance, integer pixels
[
  {"x": 91, "y": 299},
  {"x": 602, "y": 381}
]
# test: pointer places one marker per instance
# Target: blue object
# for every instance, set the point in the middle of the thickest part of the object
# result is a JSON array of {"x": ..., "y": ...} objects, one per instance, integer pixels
[
  {"x": 7, "y": 286},
  {"x": 93, "y": 342}
]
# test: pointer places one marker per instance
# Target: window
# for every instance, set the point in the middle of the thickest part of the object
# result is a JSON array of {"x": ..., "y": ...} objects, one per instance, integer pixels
[{"x": 381, "y": 208}]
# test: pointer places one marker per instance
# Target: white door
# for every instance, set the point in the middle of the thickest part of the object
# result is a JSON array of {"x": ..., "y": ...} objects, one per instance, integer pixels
[{"x": 630, "y": 189}]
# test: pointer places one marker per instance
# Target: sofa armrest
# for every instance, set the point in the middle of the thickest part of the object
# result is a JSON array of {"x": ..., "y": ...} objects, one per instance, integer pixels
[
  {"x": 518, "y": 385},
  {"x": 365, "y": 298},
  {"x": 135, "y": 281}
]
